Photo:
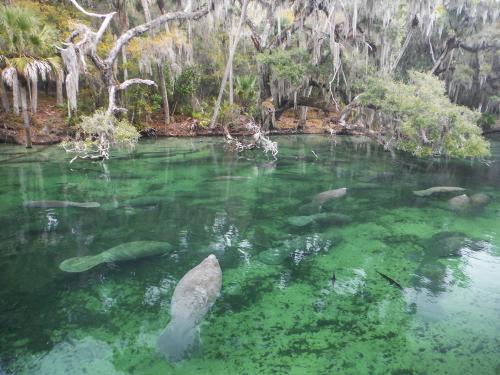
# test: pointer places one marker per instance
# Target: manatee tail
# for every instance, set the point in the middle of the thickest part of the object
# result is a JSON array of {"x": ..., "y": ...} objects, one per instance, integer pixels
[
  {"x": 178, "y": 340},
  {"x": 80, "y": 264}
]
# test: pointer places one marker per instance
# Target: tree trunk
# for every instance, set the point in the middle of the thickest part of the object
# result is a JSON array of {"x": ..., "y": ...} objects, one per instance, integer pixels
[
  {"x": 34, "y": 94},
  {"x": 5, "y": 98},
  {"x": 231, "y": 81},
  {"x": 164, "y": 96},
  {"x": 125, "y": 75},
  {"x": 59, "y": 87},
  {"x": 231, "y": 86},
  {"x": 449, "y": 45},
  {"x": 26, "y": 116},
  {"x": 161, "y": 74},
  {"x": 302, "y": 118},
  {"x": 228, "y": 65}
]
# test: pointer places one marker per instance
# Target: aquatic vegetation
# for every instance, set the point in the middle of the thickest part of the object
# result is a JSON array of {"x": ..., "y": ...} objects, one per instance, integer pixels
[{"x": 293, "y": 299}]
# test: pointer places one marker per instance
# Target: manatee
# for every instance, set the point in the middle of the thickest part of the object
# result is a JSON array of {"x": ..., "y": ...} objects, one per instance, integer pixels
[
  {"x": 301, "y": 221},
  {"x": 446, "y": 244},
  {"x": 329, "y": 195},
  {"x": 459, "y": 203},
  {"x": 479, "y": 200},
  {"x": 298, "y": 248},
  {"x": 232, "y": 178},
  {"x": 146, "y": 201},
  {"x": 309, "y": 208},
  {"x": 321, "y": 218},
  {"x": 193, "y": 297},
  {"x": 437, "y": 189},
  {"x": 60, "y": 204},
  {"x": 274, "y": 257},
  {"x": 125, "y": 251}
]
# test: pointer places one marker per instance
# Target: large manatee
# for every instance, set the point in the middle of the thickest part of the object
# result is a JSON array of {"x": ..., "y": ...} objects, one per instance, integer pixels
[
  {"x": 193, "y": 296},
  {"x": 437, "y": 189},
  {"x": 321, "y": 218},
  {"x": 125, "y": 251},
  {"x": 479, "y": 200},
  {"x": 60, "y": 204},
  {"x": 459, "y": 203},
  {"x": 329, "y": 195}
]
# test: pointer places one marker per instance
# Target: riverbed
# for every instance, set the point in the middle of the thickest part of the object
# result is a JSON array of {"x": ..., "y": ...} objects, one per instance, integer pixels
[{"x": 377, "y": 281}]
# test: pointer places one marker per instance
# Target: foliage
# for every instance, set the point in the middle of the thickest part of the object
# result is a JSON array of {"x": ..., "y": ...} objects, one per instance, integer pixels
[
  {"x": 98, "y": 133},
  {"x": 23, "y": 33},
  {"x": 291, "y": 64},
  {"x": 185, "y": 87},
  {"x": 229, "y": 113},
  {"x": 487, "y": 120},
  {"x": 245, "y": 90},
  {"x": 144, "y": 103},
  {"x": 422, "y": 120},
  {"x": 203, "y": 118}
]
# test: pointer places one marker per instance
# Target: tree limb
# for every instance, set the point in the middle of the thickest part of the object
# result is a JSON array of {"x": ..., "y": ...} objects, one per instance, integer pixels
[
  {"x": 81, "y": 9},
  {"x": 157, "y": 22},
  {"x": 135, "y": 81}
]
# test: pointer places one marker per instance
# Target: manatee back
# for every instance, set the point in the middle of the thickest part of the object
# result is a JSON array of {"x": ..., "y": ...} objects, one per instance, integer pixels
[
  {"x": 193, "y": 296},
  {"x": 135, "y": 250},
  {"x": 197, "y": 291}
]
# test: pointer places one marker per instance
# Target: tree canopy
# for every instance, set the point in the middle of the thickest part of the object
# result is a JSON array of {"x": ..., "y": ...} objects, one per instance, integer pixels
[{"x": 426, "y": 70}]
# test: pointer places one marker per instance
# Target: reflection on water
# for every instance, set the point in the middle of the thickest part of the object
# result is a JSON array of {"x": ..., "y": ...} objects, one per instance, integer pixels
[{"x": 308, "y": 288}]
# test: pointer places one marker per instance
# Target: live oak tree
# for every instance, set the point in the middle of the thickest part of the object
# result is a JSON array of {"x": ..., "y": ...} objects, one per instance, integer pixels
[{"x": 341, "y": 57}]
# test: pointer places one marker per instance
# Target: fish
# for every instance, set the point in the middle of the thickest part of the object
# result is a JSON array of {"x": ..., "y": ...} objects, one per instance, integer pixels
[
  {"x": 60, "y": 204},
  {"x": 193, "y": 297},
  {"x": 329, "y": 195},
  {"x": 124, "y": 251},
  {"x": 333, "y": 279},
  {"x": 437, "y": 189},
  {"x": 390, "y": 280}
]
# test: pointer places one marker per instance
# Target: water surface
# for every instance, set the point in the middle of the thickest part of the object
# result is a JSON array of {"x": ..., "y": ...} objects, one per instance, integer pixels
[{"x": 321, "y": 308}]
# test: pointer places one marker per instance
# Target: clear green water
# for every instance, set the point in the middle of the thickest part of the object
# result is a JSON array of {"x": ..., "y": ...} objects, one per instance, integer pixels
[{"x": 288, "y": 318}]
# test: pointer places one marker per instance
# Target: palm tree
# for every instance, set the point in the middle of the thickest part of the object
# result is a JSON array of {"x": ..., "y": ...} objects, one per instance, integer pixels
[
  {"x": 25, "y": 56},
  {"x": 245, "y": 89}
]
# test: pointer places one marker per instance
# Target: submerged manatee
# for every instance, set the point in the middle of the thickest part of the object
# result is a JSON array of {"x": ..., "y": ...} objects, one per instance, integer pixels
[
  {"x": 448, "y": 244},
  {"x": 480, "y": 200},
  {"x": 459, "y": 203},
  {"x": 274, "y": 257},
  {"x": 146, "y": 201},
  {"x": 297, "y": 248},
  {"x": 321, "y": 218},
  {"x": 125, "y": 251},
  {"x": 437, "y": 189},
  {"x": 60, "y": 204},
  {"x": 329, "y": 195},
  {"x": 193, "y": 296}
]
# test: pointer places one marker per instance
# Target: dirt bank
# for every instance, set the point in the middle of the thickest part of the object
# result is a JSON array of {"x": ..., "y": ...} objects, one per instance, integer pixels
[{"x": 50, "y": 125}]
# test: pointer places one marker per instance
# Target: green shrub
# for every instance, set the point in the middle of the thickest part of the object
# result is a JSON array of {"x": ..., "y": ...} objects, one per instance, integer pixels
[{"x": 421, "y": 118}]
